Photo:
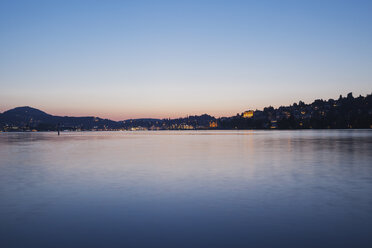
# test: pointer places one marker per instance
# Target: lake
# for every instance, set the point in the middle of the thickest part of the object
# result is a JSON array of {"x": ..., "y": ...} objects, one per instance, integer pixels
[{"x": 186, "y": 189}]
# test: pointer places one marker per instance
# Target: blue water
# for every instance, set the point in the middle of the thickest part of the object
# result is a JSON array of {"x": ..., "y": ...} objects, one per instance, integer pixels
[{"x": 186, "y": 189}]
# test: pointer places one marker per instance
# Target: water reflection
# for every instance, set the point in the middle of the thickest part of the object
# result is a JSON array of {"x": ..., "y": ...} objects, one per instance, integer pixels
[{"x": 186, "y": 189}]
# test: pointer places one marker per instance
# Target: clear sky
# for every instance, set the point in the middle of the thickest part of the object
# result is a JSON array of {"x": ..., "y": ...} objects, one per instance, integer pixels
[{"x": 131, "y": 59}]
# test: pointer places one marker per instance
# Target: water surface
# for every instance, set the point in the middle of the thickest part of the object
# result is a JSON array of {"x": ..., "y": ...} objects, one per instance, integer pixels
[{"x": 186, "y": 189}]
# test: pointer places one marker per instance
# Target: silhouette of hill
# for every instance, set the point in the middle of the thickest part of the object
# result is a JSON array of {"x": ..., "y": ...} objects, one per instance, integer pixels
[
  {"x": 26, "y": 118},
  {"x": 24, "y": 114}
]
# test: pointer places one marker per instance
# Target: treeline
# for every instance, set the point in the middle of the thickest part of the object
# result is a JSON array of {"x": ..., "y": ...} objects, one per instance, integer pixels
[{"x": 345, "y": 112}]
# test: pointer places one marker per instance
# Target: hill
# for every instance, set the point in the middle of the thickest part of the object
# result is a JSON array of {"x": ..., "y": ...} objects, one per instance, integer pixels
[{"x": 27, "y": 118}]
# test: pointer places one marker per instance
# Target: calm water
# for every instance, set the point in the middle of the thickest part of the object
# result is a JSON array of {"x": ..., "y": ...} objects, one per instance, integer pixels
[{"x": 186, "y": 189}]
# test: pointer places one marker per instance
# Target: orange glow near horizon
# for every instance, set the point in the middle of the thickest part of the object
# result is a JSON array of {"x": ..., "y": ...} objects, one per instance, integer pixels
[{"x": 117, "y": 110}]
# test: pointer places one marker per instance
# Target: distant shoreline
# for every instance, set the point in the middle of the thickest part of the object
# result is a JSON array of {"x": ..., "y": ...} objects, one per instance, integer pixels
[
  {"x": 344, "y": 113},
  {"x": 189, "y": 130}
]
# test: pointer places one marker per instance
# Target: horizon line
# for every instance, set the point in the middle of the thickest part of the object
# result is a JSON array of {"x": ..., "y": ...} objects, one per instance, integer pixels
[{"x": 179, "y": 117}]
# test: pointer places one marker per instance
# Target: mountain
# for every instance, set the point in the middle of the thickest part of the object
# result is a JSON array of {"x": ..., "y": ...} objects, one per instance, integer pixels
[
  {"x": 25, "y": 118},
  {"x": 24, "y": 115}
]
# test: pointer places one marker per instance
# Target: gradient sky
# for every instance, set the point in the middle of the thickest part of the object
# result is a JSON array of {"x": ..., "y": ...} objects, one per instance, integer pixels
[{"x": 131, "y": 59}]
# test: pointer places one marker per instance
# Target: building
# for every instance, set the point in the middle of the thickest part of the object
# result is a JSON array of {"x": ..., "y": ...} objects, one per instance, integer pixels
[
  {"x": 248, "y": 114},
  {"x": 213, "y": 124},
  {"x": 274, "y": 124}
]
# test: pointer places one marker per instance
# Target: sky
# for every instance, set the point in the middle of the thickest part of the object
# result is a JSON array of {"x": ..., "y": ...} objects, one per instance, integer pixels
[{"x": 160, "y": 59}]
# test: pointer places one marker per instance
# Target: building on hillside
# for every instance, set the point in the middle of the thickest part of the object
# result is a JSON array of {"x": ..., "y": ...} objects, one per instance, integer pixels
[
  {"x": 213, "y": 124},
  {"x": 248, "y": 114}
]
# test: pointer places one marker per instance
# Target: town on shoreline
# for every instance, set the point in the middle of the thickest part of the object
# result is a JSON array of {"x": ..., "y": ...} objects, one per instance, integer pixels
[{"x": 345, "y": 112}]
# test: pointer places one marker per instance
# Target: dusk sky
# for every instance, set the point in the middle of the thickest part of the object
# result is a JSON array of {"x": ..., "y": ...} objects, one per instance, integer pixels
[{"x": 133, "y": 59}]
